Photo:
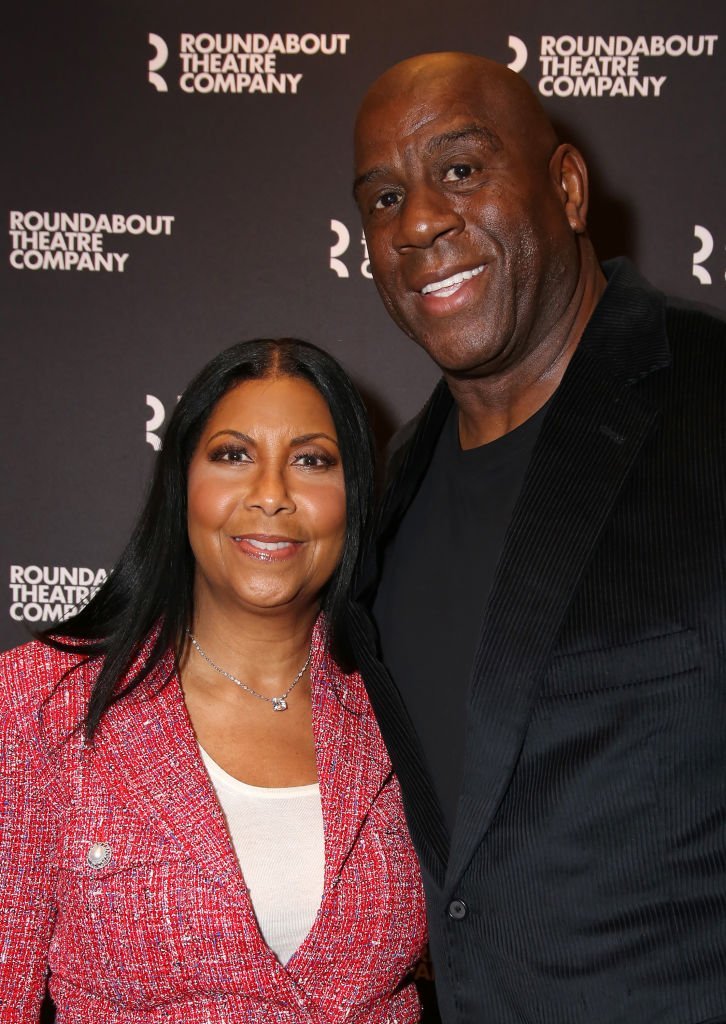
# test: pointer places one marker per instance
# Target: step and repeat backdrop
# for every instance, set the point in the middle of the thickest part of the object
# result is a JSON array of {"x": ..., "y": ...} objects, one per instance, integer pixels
[{"x": 178, "y": 178}]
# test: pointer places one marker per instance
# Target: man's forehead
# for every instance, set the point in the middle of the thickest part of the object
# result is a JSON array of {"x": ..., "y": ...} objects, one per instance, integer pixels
[
  {"x": 428, "y": 105},
  {"x": 425, "y": 127},
  {"x": 421, "y": 105},
  {"x": 417, "y": 98},
  {"x": 430, "y": 134}
]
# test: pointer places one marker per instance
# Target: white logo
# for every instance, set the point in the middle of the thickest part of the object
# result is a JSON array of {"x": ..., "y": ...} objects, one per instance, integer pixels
[
  {"x": 234, "y": 62},
  {"x": 604, "y": 66},
  {"x": 340, "y": 247},
  {"x": 520, "y": 53},
  {"x": 155, "y": 421},
  {"x": 158, "y": 61},
  {"x": 157, "y": 416},
  {"x": 704, "y": 236},
  {"x": 50, "y": 593},
  {"x": 75, "y": 241}
]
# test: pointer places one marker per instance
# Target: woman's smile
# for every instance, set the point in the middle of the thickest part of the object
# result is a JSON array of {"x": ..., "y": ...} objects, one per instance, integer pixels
[{"x": 267, "y": 548}]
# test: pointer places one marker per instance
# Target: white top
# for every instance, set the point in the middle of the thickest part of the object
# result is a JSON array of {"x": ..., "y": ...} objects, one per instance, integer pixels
[{"x": 277, "y": 835}]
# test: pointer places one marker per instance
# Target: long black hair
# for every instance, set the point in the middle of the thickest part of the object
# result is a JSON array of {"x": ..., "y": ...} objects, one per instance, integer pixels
[{"x": 152, "y": 583}]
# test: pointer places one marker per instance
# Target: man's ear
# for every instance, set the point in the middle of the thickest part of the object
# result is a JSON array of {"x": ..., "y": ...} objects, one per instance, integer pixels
[{"x": 568, "y": 173}]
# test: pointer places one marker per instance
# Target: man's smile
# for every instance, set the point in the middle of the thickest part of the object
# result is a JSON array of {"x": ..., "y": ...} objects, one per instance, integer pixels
[
  {"x": 448, "y": 291},
  {"x": 448, "y": 285}
]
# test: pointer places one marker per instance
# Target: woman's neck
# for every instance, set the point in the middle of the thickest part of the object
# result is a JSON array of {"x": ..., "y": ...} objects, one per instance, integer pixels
[{"x": 265, "y": 649}]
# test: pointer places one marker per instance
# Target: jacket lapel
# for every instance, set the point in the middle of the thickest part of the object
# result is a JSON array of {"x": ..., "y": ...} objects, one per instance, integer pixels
[
  {"x": 589, "y": 443},
  {"x": 423, "y": 812},
  {"x": 146, "y": 752},
  {"x": 353, "y": 765}
]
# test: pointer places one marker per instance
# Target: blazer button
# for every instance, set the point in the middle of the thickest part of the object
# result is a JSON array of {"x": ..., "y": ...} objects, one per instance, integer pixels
[
  {"x": 457, "y": 910},
  {"x": 99, "y": 855}
]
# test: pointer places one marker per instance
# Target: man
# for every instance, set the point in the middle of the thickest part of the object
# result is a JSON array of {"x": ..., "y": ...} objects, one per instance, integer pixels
[{"x": 548, "y": 587}]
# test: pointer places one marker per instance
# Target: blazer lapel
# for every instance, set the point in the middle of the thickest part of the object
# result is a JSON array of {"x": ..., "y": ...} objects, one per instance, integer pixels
[
  {"x": 589, "y": 442},
  {"x": 423, "y": 812},
  {"x": 147, "y": 753},
  {"x": 353, "y": 765}
]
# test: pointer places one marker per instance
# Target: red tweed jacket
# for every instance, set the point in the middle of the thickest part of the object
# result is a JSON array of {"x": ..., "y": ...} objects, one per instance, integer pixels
[{"x": 165, "y": 931}]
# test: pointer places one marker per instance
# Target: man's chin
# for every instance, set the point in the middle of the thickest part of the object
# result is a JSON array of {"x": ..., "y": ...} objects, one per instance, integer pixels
[{"x": 452, "y": 353}]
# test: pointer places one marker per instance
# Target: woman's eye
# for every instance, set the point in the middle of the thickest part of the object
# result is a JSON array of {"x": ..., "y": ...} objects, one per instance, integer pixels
[
  {"x": 386, "y": 200},
  {"x": 313, "y": 460},
  {"x": 230, "y": 453},
  {"x": 458, "y": 172}
]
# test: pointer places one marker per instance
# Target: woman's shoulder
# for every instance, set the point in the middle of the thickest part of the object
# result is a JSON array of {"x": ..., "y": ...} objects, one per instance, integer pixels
[
  {"x": 347, "y": 691},
  {"x": 36, "y": 675}
]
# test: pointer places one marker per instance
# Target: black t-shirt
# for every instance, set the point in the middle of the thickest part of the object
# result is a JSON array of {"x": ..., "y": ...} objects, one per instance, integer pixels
[{"x": 437, "y": 575}]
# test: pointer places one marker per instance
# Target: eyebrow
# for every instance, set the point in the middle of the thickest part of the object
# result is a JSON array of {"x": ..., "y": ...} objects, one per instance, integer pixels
[
  {"x": 233, "y": 433},
  {"x": 365, "y": 179},
  {"x": 306, "y": 438},
  {"x": 470, "y": 132},
  {"x": 473, "y": 132},
  {"x": 302, "y": 439}
]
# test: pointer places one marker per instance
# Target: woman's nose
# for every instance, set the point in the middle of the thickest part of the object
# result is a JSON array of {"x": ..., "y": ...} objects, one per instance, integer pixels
[{"x": 269, "y": 491}]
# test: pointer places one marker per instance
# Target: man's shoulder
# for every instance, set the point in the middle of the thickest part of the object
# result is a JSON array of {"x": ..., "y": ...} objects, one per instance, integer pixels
[
  {"x": 686, "y": 319},
  {"x": 697, "y": 341},
  {"x": 626, "y": 285},
  {"x": 641, "y": 329}
]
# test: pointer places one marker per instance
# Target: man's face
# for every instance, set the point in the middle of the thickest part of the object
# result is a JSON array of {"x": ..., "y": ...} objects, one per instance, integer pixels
[{"x": 467, "y": 235}]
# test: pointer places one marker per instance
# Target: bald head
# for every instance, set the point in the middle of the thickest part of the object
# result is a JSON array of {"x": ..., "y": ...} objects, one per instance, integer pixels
[{"x": 512, "y": 108}]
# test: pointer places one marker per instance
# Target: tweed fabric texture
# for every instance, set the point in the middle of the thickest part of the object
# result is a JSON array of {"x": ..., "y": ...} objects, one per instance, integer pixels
[
  {"x": 589, "y": 849},
  {"x": 165, "y": 931}
]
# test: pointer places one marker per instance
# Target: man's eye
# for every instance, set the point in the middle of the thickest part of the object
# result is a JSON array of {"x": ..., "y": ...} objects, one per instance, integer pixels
[
  {"x": 385, "y": 200},
  {"x": 458, "y": 172}
]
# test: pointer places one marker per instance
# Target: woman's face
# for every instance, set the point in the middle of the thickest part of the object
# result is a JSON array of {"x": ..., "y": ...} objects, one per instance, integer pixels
[{"x": 266, "y": 498}]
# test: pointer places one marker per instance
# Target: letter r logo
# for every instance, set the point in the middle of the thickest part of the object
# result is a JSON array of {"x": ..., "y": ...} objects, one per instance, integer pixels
[
  {"x": 155, "y": 420},
  {"x": 704, "y": 236},
  {"x": 158, "y": 61},
  {"x": 520, "y": 53},
  {"x": 339, "y": 247}
]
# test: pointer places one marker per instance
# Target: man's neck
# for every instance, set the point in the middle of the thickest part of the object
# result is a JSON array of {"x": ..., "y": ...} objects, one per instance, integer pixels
[{"x": 490, "y": 407}]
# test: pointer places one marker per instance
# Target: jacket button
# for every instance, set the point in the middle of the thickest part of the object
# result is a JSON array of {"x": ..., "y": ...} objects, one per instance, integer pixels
[
  {"x": 457, "y": 910},
  {"x": 99, "y": 855}
]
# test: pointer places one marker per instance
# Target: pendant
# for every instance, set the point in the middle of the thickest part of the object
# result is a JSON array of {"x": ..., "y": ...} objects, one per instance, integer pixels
[{"x": 279, "y": 704}]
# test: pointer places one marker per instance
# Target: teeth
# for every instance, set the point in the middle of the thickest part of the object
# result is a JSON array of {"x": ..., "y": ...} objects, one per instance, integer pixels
[
  {"x": 264, "y": 545},
  {"x": 451, "y": 282}
]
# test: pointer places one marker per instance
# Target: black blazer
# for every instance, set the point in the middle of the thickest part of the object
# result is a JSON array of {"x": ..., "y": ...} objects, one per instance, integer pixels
[{"x": 586, "y": 877}]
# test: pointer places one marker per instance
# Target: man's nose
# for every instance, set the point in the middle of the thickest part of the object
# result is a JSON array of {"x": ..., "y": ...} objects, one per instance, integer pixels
[
  {"x": 426, "y": 214},
  {"x": 269, "y": 491}
]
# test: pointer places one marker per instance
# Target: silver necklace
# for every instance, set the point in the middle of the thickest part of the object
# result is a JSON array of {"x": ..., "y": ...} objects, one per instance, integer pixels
[{"x": 278, "y": 703}]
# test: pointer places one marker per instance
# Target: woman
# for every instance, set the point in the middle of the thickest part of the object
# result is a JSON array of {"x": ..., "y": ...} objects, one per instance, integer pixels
[{"x": 221, "y": 838}]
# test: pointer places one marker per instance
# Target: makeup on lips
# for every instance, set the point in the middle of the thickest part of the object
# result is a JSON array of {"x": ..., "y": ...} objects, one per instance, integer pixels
[{"x": 267, "y": 547}]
